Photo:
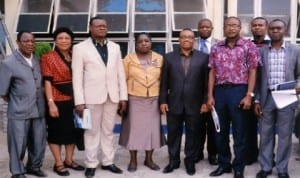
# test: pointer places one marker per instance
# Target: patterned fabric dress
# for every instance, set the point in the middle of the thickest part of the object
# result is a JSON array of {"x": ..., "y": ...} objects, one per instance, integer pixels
[{"x": 58, "y": 71}]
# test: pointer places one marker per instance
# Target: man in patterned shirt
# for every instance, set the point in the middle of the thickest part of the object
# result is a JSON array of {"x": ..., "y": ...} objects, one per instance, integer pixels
[{"x": 232, "y": 75}]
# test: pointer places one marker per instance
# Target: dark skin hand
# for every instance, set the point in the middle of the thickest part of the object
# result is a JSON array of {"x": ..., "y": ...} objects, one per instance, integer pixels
[
  {"x": 122, "y": 107},
  {"x": 79, "y": 109}
]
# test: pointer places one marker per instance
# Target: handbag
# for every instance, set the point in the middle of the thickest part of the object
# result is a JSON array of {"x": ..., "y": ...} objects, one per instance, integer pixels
[{"x": 85, "y": 122}]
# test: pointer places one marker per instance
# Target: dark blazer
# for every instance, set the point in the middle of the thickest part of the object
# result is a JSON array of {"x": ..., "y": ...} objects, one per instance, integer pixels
[
  {"x": 184, "y": 92},
  {"x": 292, "y": 69},
  {"x": 23, "y": 86}
]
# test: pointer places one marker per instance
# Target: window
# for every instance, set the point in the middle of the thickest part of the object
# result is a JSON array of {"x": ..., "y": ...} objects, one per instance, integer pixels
[
  {"x": 74, "y": 14},
  {"x": 187, "y": 13},
  {"x": 280, "y": 9},
  {"x": 115, "y": 12},
  {"x": 34, "y": 16},
  {"x": 150, "y": 16},
  {"x": 245, "y": 11}
]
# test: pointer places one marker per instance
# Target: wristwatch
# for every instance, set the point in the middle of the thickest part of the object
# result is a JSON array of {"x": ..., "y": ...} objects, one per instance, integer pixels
[{"x": 250, "y": 94}]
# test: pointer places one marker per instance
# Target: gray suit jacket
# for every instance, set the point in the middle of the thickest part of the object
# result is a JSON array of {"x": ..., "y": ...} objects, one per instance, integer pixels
[
  {"x": 196, "y": 44},
  {"x": 22, "y": 84},
  {"x": 292, "y": 70}
]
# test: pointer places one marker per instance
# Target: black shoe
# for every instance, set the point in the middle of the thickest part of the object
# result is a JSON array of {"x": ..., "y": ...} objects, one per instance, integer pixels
[
  {"x": 199, "y": 158},
  {"x": 74, "y": 166},
  {"x": 18, "y": 176},
  {"x": 263, "y": 174},
  {"x": 219, "y": 171},
  {"x": 212, "y": 159},
  {"x": 170, "y": 168},
  {"x": 36, "y": 172},
  {"x": 112, "y": 168},
  {"x": 190, "y": 168},
  {"x": 283, "y": 175},
  {"x": 238, "y": 174},
  {"x": 132, "y": 167},
  {"x": 61, "y": 170},
  {"x": 89, "y": 172},
  {"x": 152, "y": 166}
]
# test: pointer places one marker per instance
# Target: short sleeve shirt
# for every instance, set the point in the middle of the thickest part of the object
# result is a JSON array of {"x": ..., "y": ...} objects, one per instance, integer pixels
[{"x": 232, "y": 64}]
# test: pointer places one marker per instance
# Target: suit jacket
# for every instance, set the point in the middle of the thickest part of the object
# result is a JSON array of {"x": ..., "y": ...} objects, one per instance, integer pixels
[
  {"x": 182, "y": 92},
  {"x": 196, "y": 44},
  {"x": 93, "y": 82},
  {"x": 292, "y": 68},
  {"x": 23, "y": 86}
]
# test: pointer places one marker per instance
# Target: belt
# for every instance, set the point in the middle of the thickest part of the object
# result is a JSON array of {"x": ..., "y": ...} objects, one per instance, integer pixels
[{"x": 230, "y": 85}]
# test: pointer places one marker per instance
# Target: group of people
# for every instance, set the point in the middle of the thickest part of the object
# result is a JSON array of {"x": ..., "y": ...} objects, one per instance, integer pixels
[{"x": 234, "y": 77}]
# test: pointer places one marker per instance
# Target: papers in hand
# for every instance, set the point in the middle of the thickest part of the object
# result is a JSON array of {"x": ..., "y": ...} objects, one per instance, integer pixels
[
  {"x": 215, "y": 119},
  {"x": 283, "y": 98},
  {"x": 84, "y": 122}
]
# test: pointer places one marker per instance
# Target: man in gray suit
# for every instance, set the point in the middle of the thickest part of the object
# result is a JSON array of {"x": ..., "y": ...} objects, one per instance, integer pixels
[
  {"x": 21, "y": 87},
  {"x": 280, "y": 63}
]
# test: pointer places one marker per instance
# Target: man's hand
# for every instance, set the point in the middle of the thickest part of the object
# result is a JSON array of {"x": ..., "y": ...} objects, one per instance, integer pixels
[
  {"x": 79, "y": 109},
  {"x": 164, "y": 108},
  {"x": 204, "y": 109},
  {"x": 210, "y": 102},
  {"x": 257, "y": 109},
  {"x": 246, "y": 102},
  {"x": 122, "y": 108}
]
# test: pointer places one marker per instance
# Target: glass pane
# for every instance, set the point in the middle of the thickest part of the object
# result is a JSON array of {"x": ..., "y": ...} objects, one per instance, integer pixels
[
  {"x": 124, "y": 48},
  {"x": 33, "y": 23},
  {"x": 159, "y": 47},
  {"x": 36, "y": 6},
  {"x": 77, "y": 23},
  {"x": 111, "y": 5},
  {"x": 182, "y": 22},
  {"x": 74, "y": 6},
  {"x": 276, "y": 7},
  {"x": 188, "y": 5},
  {"x": 150, "y": 6},
  {"x": 116, "y": 22},
  {"x": 245, "y": 7},
  {"x": 151, "y": 22},
  {"x": 246, "y": 27}
]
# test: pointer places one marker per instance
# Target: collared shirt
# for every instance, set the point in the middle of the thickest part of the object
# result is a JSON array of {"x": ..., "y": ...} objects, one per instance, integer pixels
[
  {"x": 262, "y": 44},
  {"x": 102, "y": 50},
  {"x": 232, "y": 64},
  {"x": 208, "y": 42},
  {"x": 186, "y": 61},
  {"x": 28, "y": 60},
  {"x": 276, "y": 62}
]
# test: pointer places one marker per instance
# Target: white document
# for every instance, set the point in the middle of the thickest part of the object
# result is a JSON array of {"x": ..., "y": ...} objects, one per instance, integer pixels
[
  {"x": 215, "y": 119},
  {"x": 283, "y": 98},
  {"x": 85, "y": 122}
]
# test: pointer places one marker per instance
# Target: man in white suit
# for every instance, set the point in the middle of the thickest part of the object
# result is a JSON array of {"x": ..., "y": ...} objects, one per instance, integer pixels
[{"x": 99, "y": 85}]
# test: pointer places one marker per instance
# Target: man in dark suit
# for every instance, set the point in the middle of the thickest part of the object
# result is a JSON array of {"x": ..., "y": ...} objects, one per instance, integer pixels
[
  {"x": 203, "y": 43},
  {"x": 280, "y": 63},
  {"x": 182, "y": 90}
]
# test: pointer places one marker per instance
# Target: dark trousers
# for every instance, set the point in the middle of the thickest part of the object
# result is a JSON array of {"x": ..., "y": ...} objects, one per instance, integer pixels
[
  {"x": 207, "y": 129},
  {"x": 227, "y": 101},
  {"x": 251, "y": 138},
  {"x": 175, "y": 125}
]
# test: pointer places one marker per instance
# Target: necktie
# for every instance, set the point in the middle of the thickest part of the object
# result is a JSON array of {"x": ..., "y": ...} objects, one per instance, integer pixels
[{"x": 203, "y": 46}]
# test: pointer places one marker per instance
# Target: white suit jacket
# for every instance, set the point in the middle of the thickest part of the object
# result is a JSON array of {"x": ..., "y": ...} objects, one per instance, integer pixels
[{"x": 93, "y": 82}]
